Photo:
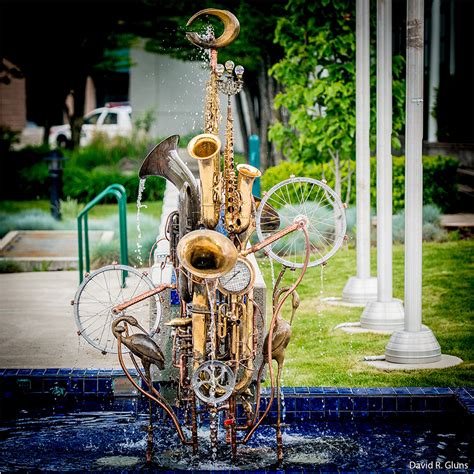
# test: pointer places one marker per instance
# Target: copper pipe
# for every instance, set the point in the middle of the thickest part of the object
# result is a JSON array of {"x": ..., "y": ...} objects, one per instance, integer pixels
[
  {"x": 194, "y": 426},
  {"x": 277, "y": 284},
  {"x": 119, "y": 308},
  {"x": 292, "y": 288},
  {"x": 277, "y": 235},
  {"x": 162, "y": 403}
]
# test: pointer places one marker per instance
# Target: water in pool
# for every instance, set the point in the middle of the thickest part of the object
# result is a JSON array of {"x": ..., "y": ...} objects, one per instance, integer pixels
[{"x": 116, "y": 441}]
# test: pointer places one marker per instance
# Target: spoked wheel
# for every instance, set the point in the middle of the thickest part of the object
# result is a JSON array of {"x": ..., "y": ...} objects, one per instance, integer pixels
[
  {"x": 104, "y": 289},
  {"x": 312, "y": 200}
]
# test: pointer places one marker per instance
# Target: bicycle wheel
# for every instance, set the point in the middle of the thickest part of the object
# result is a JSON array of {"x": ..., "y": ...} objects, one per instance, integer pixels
[
  {"x": 100, "y": 292},
  {"x": 302, "y": 197}
]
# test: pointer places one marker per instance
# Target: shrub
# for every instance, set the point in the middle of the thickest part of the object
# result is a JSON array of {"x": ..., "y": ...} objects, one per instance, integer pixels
[
  {"x": 439, "y": 180},
  {"x": 70, "y": 208},
  {"x": 84, "y": 185},
  {"x": 28, "y": 220},
  {"x": 88, "y": 171},
  {"x": 8, "y": 138},
  {"x": 24, "y": 174},
  {"x": 108, "y": 151},
  {"x": 105, "y": 253},
  {"x": 431, "y": 231},
  {"x": 10, "y": 266}
]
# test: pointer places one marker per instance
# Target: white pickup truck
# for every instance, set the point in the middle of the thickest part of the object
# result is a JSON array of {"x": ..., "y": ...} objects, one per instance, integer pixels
[{"x": 112, "y": 120}]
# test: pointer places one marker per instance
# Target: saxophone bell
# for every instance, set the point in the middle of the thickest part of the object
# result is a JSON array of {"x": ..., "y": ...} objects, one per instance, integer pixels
[
  {"x": 246, "y": 177},
  {"x": 206, "y": 149}
]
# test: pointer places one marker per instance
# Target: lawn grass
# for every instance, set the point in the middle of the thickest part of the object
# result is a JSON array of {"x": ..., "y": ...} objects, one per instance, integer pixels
[{"x": 321, "y": 356}]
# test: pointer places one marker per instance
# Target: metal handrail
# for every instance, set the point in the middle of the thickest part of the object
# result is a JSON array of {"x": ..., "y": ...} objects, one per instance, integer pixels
[{"x": 120, "y": 193}]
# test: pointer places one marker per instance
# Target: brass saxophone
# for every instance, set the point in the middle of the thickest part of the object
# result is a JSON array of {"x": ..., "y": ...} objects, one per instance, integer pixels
[
  {"x": 206, "y": 149},
  {"x": 239, "y": 202}
]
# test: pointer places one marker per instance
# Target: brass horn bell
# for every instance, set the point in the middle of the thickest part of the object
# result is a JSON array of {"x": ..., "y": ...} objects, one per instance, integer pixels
[{"x": 207, "y": 254}]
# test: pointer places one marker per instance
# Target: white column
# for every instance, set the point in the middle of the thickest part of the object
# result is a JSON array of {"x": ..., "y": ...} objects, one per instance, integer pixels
[
  {"x": 384, "y": 153},
  {"x": 362, "y": 288},
  {"x": 385, "y": 313},
  {"x": 414, "y": 169},
  {"x": 416, "y": 344},
  {"x": 434, "y": 69}
]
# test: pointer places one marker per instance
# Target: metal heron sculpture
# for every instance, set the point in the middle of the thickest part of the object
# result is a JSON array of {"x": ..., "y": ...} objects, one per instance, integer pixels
[
  {"x": 280, "y": 340},
  {"x": 147, "y": 350}
]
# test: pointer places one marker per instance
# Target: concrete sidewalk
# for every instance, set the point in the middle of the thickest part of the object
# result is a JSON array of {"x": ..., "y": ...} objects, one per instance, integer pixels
[{"x": 37, "y": 327}]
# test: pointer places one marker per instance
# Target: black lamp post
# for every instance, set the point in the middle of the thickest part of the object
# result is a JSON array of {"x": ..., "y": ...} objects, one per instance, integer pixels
[{"x": 55, "y": 166}]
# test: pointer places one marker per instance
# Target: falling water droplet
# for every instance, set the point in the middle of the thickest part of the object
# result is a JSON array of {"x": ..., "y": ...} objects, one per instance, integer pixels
[
  {"x": 320, "y": 305},
  {"x": 138, "y": 250}
]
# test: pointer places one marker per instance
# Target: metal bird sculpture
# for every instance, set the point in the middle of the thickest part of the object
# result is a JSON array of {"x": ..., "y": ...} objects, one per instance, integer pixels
[
  {"x": 146, "y": 349},
  {"x": 280, "y": 340},
  {"x": 140, "y": 344}
]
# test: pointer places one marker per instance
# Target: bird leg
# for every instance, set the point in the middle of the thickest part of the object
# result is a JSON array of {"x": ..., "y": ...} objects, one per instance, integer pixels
[
  {"x": 279, "y": 438},
  {"x": 149, "y": 444}
]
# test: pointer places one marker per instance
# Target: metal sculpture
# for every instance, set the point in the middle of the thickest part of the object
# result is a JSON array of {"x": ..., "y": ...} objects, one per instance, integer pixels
[{"x": 219, "y": 348}]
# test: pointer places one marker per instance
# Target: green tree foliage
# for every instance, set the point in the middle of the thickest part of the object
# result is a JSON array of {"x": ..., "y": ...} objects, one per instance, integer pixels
[
  {"x": 57, "y": 45},
  {"x": 318, "y": 76}
]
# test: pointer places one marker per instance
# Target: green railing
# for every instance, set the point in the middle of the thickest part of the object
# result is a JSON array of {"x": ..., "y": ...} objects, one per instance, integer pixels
[{"x": 120, "y": 193}]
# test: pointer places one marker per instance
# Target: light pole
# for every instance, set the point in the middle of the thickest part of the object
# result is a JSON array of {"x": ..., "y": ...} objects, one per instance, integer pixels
[{"x": 55, "y": 167}]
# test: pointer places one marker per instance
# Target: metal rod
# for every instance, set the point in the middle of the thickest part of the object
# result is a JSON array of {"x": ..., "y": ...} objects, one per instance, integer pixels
[
  {"x": 270, "y": 334},
  {"x": 86, "y": 243},
  {"x": 434, "y": 70},
  {"x": 273, "y": 238},
  {"x": 120, "y": 194},
  {"x": 161, "y": 403},
  {"x": 143, "y": 296}
]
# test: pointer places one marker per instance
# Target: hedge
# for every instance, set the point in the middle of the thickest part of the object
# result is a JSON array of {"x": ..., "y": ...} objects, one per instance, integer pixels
[
  {"x": 25, "y": 176},
  {"x": 84, "y": 185},
  {"x": 439, "y": 180}
]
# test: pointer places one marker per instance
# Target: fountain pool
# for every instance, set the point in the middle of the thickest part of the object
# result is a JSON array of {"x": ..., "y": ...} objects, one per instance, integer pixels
[{"x": 327, "y": 432}]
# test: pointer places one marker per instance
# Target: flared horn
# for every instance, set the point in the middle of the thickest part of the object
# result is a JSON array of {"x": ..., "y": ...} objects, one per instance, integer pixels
[
  {"x": 207, "y": 254},
  {"x": 205, "y": 148},
  {"x": 247, "y": 175},
  {"x": 165, "y": 161}
]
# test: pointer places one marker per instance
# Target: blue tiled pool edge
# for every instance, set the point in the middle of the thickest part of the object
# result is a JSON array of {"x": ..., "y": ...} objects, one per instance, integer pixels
[{"x": 303, "y": 403}]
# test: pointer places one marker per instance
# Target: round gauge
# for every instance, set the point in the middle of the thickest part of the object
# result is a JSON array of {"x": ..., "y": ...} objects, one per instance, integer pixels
[{"x": 239, "y": 279}]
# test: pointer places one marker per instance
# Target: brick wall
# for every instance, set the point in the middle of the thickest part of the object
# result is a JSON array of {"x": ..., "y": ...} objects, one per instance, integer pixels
[{"x": 13, "y": 104}]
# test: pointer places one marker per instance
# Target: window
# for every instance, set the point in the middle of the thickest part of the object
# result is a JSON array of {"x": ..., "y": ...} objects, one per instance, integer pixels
[
  {"x": 92, "y": 119},
  {"x": 111, "y": 119}
]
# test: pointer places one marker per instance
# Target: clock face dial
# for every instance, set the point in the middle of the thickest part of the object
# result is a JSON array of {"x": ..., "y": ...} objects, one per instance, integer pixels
[{"x": 238, "y": 279}]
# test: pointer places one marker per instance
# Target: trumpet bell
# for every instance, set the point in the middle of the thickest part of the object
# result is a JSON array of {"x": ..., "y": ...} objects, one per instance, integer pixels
[{"x": 207, "y": 254}]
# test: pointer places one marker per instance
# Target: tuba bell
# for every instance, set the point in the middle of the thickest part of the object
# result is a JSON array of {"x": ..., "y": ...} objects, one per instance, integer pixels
[
  {"x": 206, "y": 149},
  {"x": 164, "y": 160}
]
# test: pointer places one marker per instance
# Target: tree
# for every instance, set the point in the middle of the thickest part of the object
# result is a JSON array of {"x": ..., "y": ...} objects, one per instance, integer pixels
[
  {"x": 57, "y": 46},
  {"x": 317, "y": 74},
  {"x": 254, "y": 49}
]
